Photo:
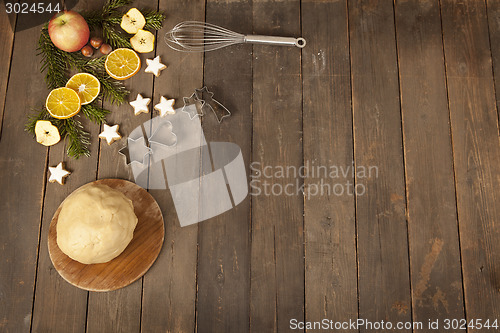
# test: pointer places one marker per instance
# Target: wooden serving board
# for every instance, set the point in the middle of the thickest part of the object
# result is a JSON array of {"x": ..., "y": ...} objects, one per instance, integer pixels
[{"x": 133, "y": 262}]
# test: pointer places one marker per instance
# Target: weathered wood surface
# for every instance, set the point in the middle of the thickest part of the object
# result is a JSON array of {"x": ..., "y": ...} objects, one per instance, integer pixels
[
  {"x": 476, "y": 153},
  {"x": 408, "y": 87},
  {"x": 7, "y": 25},
  {"x": 169, "y": 290},
  {"x": 22, "y": 185},
  {"x": 329, "y": 220},
  {"x": 277, "y": 256},
  {"x": 493, "y": 14},
  {"x": 383, "y": 263},
  {"x": 223, "y": 282},
  {"x": 436, "y": 277}
]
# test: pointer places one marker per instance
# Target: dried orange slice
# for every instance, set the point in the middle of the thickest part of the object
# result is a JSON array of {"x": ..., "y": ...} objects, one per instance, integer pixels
[
  {"x": 63, "y": 103},
  {"x": 87, "y": 86},
  {"x": 122, "y": 64}
]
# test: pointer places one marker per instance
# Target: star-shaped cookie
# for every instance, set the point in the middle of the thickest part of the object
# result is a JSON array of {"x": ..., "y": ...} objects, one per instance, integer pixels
[
  {"x": 58, "y": 174},
  {"x": 140, "y": 104},
  {"x": 110, "y": 133},
  {"x": 166, "y": 106},
  {"x": 155, "y": 66}
]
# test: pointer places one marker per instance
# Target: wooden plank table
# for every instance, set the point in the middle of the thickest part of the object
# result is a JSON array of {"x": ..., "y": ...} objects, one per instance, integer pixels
[{"x": 404, "y": 93}]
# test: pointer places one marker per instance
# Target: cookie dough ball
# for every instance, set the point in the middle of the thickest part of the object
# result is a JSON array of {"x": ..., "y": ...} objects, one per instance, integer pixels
[{"x": 95, "y": 225}]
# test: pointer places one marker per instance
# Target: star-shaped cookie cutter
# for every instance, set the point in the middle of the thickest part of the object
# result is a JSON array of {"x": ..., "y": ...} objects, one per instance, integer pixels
[{"x": 135, "y": 149}]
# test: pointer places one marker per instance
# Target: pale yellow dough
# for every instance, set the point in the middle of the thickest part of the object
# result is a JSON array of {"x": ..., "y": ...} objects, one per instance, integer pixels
[{"x": 95, "y": 225}]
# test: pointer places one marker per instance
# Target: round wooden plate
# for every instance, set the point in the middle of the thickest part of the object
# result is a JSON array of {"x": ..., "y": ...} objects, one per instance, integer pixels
[{"x": 132, "y": 263}]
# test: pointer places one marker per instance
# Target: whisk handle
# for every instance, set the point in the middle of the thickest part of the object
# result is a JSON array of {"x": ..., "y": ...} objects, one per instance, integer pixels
[{"x": 272, "y": 40}]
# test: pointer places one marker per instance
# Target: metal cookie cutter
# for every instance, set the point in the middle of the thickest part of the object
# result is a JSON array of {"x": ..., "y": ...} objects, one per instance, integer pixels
[
  {"x": 163, "y": 136},
  {"x": 137, "y": 154},
  {"x": 197, "y": 111},
  {"x": 217, "y": 108},
  {"x": 204, "y": 101}
]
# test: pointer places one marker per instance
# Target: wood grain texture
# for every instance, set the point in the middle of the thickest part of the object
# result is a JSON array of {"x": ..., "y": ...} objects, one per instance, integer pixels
[
  {"x": 330, "y": 229},
  {"x": 169, "y": 289},
  {"x": 120, "y": 310},
  {"x": 133, "y": 262},
  {"x": 476, "y": 149},
  {"x": 7, "y": 42},
  {"x": 277, "y": 276},
  {"x": 493, "y": 15},
  {"x": 432, "y": 220},
  {"x": 224, "y": 241},
  {"x": 383, "y": 272},
  {"x": 23, "y": 161},
  {"x": 59, "y": 306}
]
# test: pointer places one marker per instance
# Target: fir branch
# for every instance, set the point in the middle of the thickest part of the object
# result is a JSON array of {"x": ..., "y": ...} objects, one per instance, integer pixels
[
  {"x": 115, "y": 19},
  {"x": 95, "y": 113},
  {"x": 108, "y": 20},
  {"x": 112, "y": 5},
  {"x": 53, "y": 61},
  {"x": 114, "y": 91},
  {"x": 154, "y": 19},
  {"x": 93, "y": 18},
  {"x": 114, "y": 36},
  {"x": 33, "y": 118},
  {"x": 78, "y": 139},
  {"x": 111, "y": 14}
]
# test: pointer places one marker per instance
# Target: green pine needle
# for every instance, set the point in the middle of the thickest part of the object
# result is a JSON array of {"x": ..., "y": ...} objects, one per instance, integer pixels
[
  {"x": 114, "y": 35},
  {"x": 154, "y": 20},
  {"x": 33, "y": 118},
  {"x": 113, "y": 5},
  {"x": 78, "y": 139},
  {"x": 95, "y": 113}
]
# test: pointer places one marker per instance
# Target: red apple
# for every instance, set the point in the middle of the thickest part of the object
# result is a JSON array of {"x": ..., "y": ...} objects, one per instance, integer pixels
[{"x": 69, "y": 31}]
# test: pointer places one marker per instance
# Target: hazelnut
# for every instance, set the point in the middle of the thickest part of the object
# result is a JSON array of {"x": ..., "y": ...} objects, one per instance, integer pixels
[
  {"x": 87, "y": 51},
  {"x": 106, "y": 49},
  {"x": 96, "y": 42}
]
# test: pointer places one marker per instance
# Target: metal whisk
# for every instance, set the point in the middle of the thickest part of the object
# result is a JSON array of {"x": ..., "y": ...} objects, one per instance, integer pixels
[{"x": 193, "y": 36}]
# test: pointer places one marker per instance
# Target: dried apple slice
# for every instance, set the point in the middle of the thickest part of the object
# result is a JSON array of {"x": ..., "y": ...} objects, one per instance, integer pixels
[
  {"x": 46, "y": 133},
  {"x": 143, "y": 41},
  {"x": 133, "y": 21}
]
